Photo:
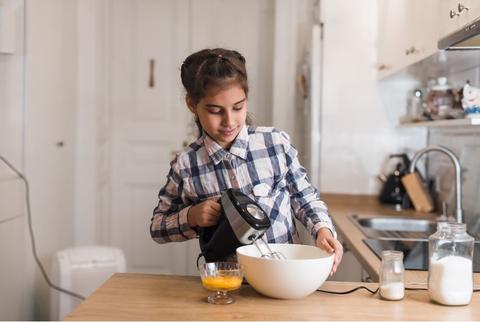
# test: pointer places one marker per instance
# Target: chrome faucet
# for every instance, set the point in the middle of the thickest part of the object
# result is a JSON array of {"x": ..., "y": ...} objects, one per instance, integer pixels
[{"x": 458, "y": 173}]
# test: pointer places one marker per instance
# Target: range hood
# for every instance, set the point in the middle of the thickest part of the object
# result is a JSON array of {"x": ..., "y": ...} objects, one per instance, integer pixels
[{"x": 468, "y": 37}]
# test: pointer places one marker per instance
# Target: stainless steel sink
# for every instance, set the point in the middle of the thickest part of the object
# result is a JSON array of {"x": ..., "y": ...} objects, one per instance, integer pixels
[{"x": 388, "y": 227}]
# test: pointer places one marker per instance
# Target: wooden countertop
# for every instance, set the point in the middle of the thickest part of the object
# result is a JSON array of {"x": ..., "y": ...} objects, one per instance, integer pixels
[
  {"x": 129, "y": 296},
  {"x": 342, "y": 206}
]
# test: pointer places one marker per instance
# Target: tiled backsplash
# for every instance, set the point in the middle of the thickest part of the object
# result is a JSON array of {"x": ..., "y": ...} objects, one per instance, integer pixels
[{"x": 465, "y": 143}]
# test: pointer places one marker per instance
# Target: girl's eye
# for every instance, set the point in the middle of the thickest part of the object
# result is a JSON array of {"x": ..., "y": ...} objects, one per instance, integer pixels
[
  {"x": 214, "y": 111},
  {"x": 238, "y": 107}
]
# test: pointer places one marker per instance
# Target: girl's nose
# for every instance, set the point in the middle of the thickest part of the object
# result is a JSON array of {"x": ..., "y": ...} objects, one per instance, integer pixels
[{"x": 227, "y": 118}]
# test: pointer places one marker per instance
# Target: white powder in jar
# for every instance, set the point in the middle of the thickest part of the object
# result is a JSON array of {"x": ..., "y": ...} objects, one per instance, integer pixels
[
  {"x": 450, "y": 280},
  {"x": 392, "y": 291}
]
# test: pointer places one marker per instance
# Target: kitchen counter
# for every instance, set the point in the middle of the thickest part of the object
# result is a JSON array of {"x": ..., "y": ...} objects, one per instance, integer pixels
[
  {"x": 128, "y": 296},
  {"x": 342, "y": 206}
]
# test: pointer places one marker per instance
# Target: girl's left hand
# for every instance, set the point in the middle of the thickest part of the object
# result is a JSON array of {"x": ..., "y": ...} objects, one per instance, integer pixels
[{"x": 329, "y": 244}]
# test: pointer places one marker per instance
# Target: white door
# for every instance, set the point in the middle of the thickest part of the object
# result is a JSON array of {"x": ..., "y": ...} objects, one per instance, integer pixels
[
  {"x": 148, "y": 42},
  {"x": 150, "y": 119}
]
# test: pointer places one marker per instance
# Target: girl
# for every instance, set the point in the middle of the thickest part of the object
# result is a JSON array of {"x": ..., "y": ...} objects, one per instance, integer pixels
[{"x": 230, "y": 153}]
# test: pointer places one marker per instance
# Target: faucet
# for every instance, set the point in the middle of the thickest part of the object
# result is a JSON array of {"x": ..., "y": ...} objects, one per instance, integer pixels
[{"x": 458, "y": 174}]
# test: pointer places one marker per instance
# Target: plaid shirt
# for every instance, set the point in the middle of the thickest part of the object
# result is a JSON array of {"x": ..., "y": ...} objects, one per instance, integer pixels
[{"x": 261, "y": 163}]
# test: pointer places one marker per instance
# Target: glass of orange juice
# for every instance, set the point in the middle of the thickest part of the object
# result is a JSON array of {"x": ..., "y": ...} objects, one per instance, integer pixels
[{"x": 221, "y": 277}]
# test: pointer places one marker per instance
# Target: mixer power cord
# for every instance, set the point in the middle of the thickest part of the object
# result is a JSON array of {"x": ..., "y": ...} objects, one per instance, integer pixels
[
  {"x": 376, "y": 290},
  {"x": 32, "y": 237},
  {"x": 366, "y": 288}
]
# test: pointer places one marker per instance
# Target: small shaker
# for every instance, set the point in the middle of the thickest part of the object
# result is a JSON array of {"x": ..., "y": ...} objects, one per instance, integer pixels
[{"x": 392, "y": 275}]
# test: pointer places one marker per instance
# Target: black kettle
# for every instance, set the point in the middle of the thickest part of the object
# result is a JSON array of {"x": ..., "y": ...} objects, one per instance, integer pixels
[{"x": 393, "y": 191}]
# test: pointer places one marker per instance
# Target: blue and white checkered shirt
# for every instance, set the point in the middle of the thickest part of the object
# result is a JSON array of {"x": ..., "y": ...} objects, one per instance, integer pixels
[{"x": 261, "y": 163}]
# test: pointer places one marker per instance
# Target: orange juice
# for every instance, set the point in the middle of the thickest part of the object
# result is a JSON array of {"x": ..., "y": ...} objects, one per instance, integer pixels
[{"x": 223, "y": 283}]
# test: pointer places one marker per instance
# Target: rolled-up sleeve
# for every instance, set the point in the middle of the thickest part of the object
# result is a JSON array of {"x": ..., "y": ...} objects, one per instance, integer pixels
[
  {"x": 169, "y": 221},
  {"x": 304, "y": 197}
]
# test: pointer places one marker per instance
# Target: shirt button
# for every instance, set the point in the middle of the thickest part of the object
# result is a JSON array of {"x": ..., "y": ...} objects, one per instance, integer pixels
[{"x": 229, "y": 157}]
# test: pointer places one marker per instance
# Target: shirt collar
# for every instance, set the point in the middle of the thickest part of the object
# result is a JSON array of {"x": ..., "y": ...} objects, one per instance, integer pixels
[{"x": 238, "y": 148}]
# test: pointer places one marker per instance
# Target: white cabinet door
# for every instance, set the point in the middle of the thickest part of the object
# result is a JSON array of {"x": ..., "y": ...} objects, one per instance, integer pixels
[
  {"x": 407, "y": 33},
  {"x": 149, "y": 40},
  {"x": 392, "y": 40},
  {"x": 454, "y": 14},
  {"x": 422, "y": 29}
]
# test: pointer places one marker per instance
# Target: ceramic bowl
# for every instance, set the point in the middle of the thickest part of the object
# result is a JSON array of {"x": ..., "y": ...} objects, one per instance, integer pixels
[{"x": 303, "y": 272}]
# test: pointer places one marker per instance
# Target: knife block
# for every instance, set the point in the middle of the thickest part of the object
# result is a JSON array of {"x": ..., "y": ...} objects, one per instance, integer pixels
[{"x": 421, "y": 199}]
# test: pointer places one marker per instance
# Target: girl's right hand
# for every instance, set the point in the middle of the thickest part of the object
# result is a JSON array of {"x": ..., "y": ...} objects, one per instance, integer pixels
[{"x": 204, "y": 214}]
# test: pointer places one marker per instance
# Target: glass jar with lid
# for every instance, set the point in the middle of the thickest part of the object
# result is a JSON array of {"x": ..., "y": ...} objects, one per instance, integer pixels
[
  {"x": 440, "y": 99},
  {"x": 450, "y": 271},
  {"x": 392, "y": 274}
]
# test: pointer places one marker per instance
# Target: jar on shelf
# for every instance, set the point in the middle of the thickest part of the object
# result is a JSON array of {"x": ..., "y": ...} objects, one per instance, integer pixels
[
  {"x": 392, "y": 273},
  {"x": 415, "y": 106},
  {"x": 450, "y": 271},
  {"x": 440, "y": 100}
]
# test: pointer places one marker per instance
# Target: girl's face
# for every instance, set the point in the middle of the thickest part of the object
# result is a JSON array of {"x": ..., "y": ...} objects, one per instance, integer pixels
[{"x": 222, "y": 113}]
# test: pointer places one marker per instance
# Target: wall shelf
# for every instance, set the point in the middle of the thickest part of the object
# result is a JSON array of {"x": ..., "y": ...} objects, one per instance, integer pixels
[{"x": 443, "y": 123}]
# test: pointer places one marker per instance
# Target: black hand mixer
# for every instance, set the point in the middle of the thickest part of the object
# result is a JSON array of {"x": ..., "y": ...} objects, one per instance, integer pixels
[{"x": 242, "y": 222}]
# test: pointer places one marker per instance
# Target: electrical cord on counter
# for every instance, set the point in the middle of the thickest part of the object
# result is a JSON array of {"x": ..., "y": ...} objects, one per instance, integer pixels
[
  {"x": 350, "y": 291},
  {"x": 32, "y": 237},
  {"x": 374, "y": 292}
]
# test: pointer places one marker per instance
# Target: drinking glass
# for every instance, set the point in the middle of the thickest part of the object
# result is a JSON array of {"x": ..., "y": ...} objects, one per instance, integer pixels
[{"x": 221, "y": 277}]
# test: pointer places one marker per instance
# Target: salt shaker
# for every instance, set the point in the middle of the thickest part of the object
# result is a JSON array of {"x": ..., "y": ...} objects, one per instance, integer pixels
[
  {"x": 450, "y": 271},
  {"x": 392, "y": 275}
]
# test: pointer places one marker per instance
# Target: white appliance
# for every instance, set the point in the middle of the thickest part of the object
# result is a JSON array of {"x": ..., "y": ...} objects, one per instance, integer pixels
[{"x": 81, "y": 270}]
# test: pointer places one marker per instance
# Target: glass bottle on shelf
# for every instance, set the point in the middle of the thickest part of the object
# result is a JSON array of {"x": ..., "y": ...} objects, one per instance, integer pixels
[
  {"x": 440, "y": 100},
  {"x": 392, "y": 274},
  {"x": 450, "y": 272}
]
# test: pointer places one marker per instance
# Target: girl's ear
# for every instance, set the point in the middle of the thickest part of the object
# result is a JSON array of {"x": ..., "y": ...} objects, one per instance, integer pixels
[{"x": 190, "y": 104}]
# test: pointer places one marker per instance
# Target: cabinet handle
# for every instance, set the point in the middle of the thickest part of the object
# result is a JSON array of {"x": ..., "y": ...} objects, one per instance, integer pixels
[
  {"x": 453, "y": 14},
  {"x": 461, "y": 8},
  {"x": 382, "y": 67},
  {"x": 151, "y": 77},
  {"x": 411, "y": 50}
]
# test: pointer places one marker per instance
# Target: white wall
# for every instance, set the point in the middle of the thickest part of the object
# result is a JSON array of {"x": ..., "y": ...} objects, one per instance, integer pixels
[
  {"x": 15, "y": 302},
  {"x": 358, "y": 130},
  {"x": 293, "y": 21},
  {"x": 49, "y": 130}
]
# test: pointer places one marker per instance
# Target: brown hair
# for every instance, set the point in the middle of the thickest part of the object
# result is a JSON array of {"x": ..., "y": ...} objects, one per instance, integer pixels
[{"x": 209, "y": 68}]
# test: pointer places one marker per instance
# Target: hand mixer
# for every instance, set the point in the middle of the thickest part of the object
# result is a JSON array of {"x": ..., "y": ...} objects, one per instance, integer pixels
[{"x": 241, "y": 222}]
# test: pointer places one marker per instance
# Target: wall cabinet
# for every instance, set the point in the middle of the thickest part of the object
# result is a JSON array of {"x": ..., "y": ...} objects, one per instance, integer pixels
[
  {"x": 408, "y": 30},
  {"x": 406, "y": 33},
  {"x": 453, "y": 14}
]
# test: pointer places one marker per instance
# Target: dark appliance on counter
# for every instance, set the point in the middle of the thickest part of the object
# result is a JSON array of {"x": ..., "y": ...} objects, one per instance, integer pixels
[
  {"x": 415, "y": 252},
  {"x": 393, "y": 192}
]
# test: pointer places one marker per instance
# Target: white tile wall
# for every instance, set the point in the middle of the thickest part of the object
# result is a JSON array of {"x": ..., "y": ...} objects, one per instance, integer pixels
[
  {"x": 465, "y": 143},
  {"x": 359, "y": 114}
]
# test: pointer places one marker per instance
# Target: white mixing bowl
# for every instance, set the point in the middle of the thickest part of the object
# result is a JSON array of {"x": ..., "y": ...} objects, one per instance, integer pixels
[{"x": 304, "y": 270}]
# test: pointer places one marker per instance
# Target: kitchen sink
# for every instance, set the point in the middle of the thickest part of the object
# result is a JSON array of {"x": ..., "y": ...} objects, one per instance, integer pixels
[
  {"x": 405, "y": 234},
  {"x": 388, "y": 227}
]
